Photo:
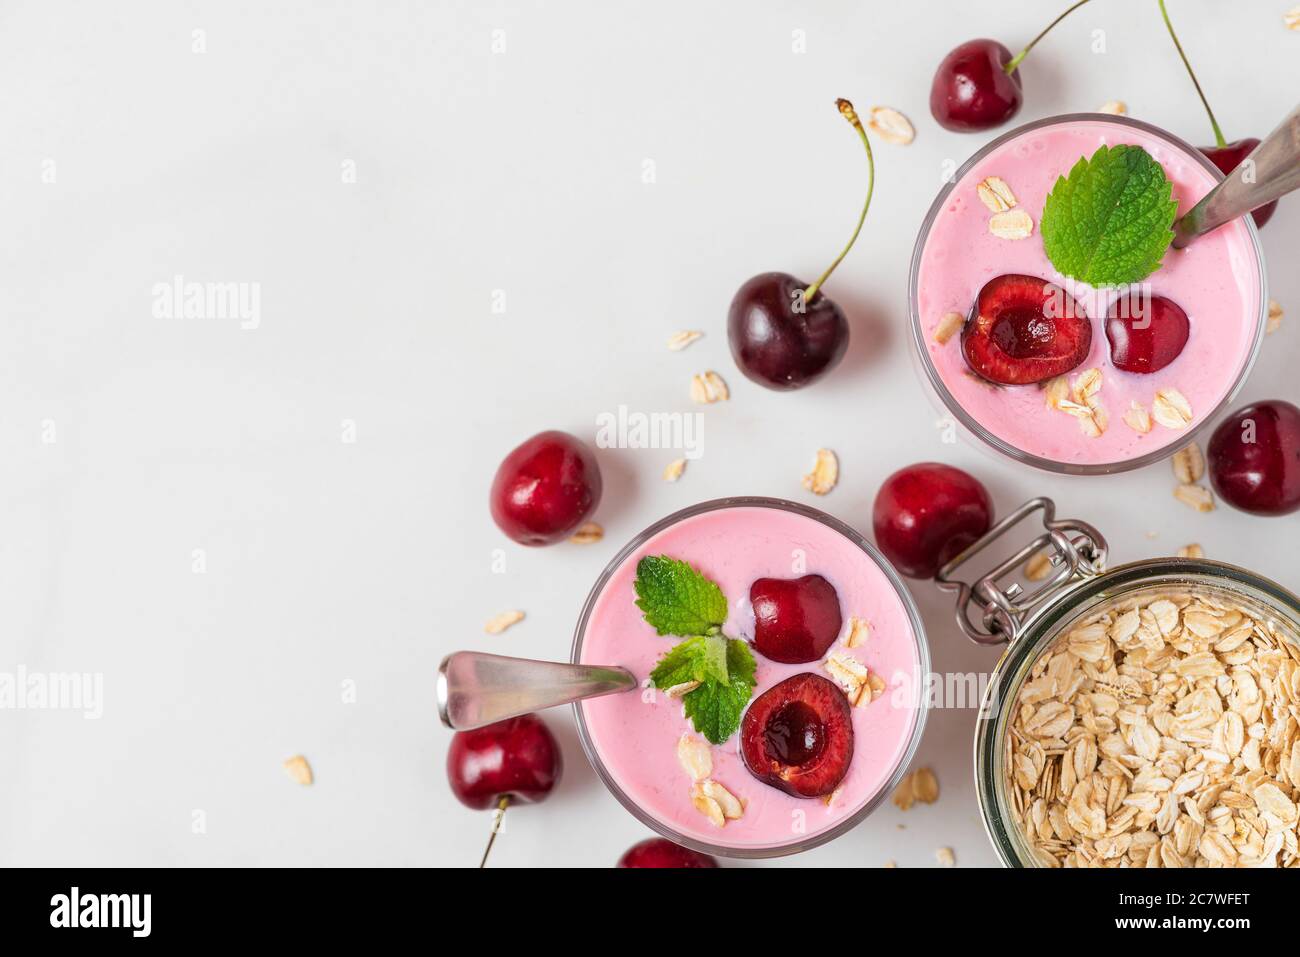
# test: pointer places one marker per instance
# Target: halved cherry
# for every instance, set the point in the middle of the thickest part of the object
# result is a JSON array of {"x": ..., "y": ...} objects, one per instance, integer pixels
[
  {"x": 1023, "y": 329},
  {"x": 1145, "y": 332},
  {"x": 795, "y": 619},
  {"x": 797, "y": 736}
]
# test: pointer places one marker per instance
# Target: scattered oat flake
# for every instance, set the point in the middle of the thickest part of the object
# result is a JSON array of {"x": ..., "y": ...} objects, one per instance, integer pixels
[
  {"x": 1114, "y": 108},
  {"x": 945, "y": 857},
  {"x": 890, "y": 864},
  {"x": 825, "y": 473},
  {"x": 1191, "y": 551},
  {"x": 859, "y": 631},
  {"x": 1171, "y": 409},
  {"x": 587, "y": 533},
  {"x": 680, "y": 340},
  {"x": 708, "y": 807},
  {"x": 1038, "y": 567},
  {"x": 299, "y": 769},
  {"x": 681, "y": 690},
  {"x": 1012, "y": 224},
  {"x": 1274, "y": 314},
  {"x": 891, "y": 125},
  {"x": 1196, "y": 496},
  {"x": 732, "y": 808},
  {"x": 674, "y": 469},
  {"x": 948, "y": 326},
  {"x": 1189, "y": 464},
  {"x": 994, "y": 193},
  {"x": 1292, "y": 18},
  {"x": 1056, "y": 391},
  {"x": 1138, "y": 418},
  {"x": 709, "y": 387},
  {"x": 925, "y": 786},
  {"x": 499, "y": 623}
]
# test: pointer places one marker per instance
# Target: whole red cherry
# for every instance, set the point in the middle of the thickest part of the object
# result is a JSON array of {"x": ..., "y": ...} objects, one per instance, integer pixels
[
  {"x": 517, "y": 760},
  {"x": 545, "y": 488},
  {"x": 972, "y": 89},
  {"x": 1228, "y": 157},
  {"x": 660, "y": 852},
  {"x": 1254, "y": 458},
  {"x": 926, "y": 514}
]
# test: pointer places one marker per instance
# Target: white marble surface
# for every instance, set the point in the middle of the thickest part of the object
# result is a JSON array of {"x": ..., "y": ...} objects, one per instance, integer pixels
[{"x": 133, "y": 440}]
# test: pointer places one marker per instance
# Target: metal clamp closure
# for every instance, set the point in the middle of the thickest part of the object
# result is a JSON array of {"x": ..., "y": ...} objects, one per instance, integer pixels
[{"x": 1077, "y": 551}]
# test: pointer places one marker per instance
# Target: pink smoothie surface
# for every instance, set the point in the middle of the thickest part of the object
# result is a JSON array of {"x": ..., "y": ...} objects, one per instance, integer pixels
[
  {"x": 1216, "y": 280},
  {"x": 636, "y": 733}
]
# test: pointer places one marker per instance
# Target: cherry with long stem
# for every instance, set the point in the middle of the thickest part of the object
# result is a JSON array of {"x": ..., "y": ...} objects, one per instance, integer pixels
[
  {"x": 849, "y": 113},
  {"x": 1227, "y": 156}
]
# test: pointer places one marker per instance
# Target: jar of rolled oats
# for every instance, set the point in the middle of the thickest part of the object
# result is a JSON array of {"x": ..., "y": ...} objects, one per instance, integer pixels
[{"x": 1141, "y": 716}]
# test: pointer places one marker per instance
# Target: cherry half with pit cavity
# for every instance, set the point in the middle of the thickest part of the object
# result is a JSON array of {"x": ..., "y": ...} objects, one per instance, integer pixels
[
  {"x": 1023, "y": 330},
  {"x": 926, "y": 514},
  {"x": 516, "y": 761},
  {"x": 977, "y": 85},
  {"x": 545, "y": 488},
  {"x": 795, "y": 619},
  {"x": 1145, "y": 332},
  {"x": 661, "y": 852},
  {"x": 798, "y": 736},
  {"x": 1254, "y": 458},
  {"x": 784, "y": 333}
]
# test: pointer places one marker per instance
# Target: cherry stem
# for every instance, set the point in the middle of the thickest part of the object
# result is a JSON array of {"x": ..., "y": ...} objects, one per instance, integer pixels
[
  {"x": 850, "y": 114},
  {"x": 497, "y": 815},
  {"x": 1015, "y": 60},
  {"x": 1218, "y": 133}
]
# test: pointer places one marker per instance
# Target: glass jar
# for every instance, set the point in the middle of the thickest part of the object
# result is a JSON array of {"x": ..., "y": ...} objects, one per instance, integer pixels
[
  {"x": 904, "y": 756},
  {"x": 1032, "y": 622},
  {"x": 943, "y": 397}
]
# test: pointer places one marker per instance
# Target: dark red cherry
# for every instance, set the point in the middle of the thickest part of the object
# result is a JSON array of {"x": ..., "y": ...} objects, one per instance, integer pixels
[
  {"x": 1145, "y": 332},
  {"x": 660, "y": 852},
  {"x": 517, "y": 759},
  {"x": 780, "y": 341},
  {"x": 1254, "y": 458},
  {"x": 926, "y": 514},
  {"x": 545, "y": 488},
  {"x": 798, "y": 736},
  {"x": 1228, "y": 158},
  {"x": 972, "y": 90},
  {"x": 1023, "y": 329},
  {"x": 795, "y": 619}
]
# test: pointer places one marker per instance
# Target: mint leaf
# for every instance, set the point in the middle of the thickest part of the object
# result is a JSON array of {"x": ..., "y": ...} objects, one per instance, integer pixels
[
  {"x": 724, "y": 667},
  {"x": 695, "y": 659},
  {"x": 676, "y": 599},
  {"x": 1109, "y": 222},
  {"x": 715, "y": 706}
]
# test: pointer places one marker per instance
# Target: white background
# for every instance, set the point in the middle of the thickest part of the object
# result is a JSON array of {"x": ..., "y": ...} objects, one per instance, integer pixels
[{"x": 522, "y": 171}]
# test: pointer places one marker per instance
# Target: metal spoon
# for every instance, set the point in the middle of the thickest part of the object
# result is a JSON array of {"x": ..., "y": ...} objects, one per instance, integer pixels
[
  {"x": 475, "y": 689},
  {"x": 1272, "y": 168}
]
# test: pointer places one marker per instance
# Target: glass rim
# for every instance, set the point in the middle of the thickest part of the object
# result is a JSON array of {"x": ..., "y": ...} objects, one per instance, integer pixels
[
  {"x": 1004, "y": 447},
  {"x": 1046, "y": 625},
  {"x": 922, "y": 663}
]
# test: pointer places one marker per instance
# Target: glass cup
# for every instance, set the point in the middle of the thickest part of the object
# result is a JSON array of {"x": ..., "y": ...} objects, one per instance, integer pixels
[
  {"x": 798, "y": 842},
  {"x": 944, "y": 398}
]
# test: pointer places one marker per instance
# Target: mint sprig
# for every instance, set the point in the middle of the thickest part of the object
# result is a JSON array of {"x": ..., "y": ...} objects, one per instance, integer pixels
[
  {"x": 1109, "y": 222},
  {"x": 677, "y": 600}
]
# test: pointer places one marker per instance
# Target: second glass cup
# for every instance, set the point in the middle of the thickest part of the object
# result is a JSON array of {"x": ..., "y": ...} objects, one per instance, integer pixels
[{"x": 1218, "y": 281}]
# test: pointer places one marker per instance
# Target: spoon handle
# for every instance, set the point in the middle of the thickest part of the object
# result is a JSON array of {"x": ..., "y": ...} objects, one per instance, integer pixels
[
  {"x": 1272, "y": 168},
  {"x": 475, "y": 689}
]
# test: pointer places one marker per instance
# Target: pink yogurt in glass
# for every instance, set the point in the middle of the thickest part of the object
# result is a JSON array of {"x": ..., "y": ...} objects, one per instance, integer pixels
[
  {"x": 1216, "y": 280},
  {"x": 633, "y": 736}
]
